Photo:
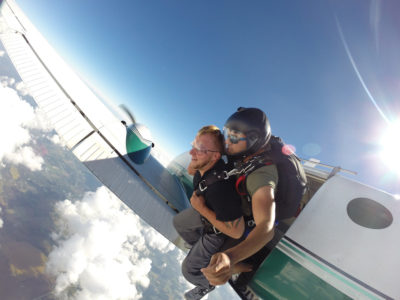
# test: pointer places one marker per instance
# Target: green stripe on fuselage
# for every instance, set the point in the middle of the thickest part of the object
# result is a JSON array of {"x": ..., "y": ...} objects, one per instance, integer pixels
[
  {"x": 280, "y": 277},
  {"x": 133, "y": 142},
  {"x": 328, "y": 271}
]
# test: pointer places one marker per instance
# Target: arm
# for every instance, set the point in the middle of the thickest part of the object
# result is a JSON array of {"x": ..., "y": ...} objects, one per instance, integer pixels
[
  {"x": 222, "y": 264},
  {"x": 263, "y": 207},
  {"x": 234, "y": 228}
]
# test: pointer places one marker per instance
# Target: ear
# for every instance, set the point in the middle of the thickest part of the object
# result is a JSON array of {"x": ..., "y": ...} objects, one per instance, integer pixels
[{"x": 217, "y": 155}]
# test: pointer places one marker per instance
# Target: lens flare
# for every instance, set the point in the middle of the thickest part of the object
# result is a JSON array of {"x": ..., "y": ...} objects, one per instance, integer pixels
[
  {"x": 288, "y": 149},
  {"x": 390, "y": 144}
]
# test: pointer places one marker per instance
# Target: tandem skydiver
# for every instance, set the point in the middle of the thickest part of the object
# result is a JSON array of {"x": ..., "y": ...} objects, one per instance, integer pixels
[
  {"x": 271, "y": 181},
  {"x": 215, "y": 214}
]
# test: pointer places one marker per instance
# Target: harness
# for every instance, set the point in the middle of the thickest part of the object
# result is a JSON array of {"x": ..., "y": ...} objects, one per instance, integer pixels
[
  {"x": 291, "y": 185},
  {"x": 242, "y": 170},
  {"x": 210, "y": 179}
]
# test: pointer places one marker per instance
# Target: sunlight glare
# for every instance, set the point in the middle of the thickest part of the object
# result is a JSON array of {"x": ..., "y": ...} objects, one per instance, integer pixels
[
  {"x": 144, "y": 131},
  {"x": 390, "y": 144}
]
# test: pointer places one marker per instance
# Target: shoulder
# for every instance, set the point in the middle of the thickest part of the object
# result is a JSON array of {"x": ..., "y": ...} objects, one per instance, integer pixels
[
  {"x": 264, "y": 176},
  {"x": 264, "y": 170}
]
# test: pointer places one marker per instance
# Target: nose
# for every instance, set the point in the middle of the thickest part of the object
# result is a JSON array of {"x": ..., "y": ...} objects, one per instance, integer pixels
[{"x": 192, "y": 151}]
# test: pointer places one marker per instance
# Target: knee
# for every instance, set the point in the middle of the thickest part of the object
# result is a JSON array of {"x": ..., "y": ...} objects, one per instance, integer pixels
[
  {"x": 193, "y": 274},
  {"x": 186, "y": 270}
]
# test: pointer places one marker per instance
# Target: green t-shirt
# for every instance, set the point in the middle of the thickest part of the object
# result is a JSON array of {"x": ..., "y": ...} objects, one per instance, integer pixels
[{"x": 264, "y": 176}]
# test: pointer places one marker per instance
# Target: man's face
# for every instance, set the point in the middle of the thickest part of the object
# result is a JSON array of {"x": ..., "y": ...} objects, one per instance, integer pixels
[
  {"x": 204, "y": 152},
  {"x": 235, "y": 142}
]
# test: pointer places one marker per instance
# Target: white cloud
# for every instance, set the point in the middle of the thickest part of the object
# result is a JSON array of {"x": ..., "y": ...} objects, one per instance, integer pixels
[
  {"x": 102, "y": 248},
  {"x": 21, "y": 88},
  {"x": 57, "y": 140},
  {"x": 2, "y": 53},
  {"x": 156, "y": 241},
  {"x": 17, "y": 117},
  {"x": 6, "y": 81},
  {"x": 26, "y": 156}
]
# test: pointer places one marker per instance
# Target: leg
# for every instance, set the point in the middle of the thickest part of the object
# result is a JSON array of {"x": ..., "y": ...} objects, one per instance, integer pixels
[
  {"x": 199, "y": 257},
  {"x": 189, "y": 225}
]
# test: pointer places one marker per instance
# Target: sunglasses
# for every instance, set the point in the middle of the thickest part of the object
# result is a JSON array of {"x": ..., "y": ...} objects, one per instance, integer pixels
[{"x": 200, "y": 150}]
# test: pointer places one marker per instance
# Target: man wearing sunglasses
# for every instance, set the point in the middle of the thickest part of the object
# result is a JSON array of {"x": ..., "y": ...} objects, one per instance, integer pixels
[
  {"x": 247, "y": 137},
  {"x": 215, "y": 214}
]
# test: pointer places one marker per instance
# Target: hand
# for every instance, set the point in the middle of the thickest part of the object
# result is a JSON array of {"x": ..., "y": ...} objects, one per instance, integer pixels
[
  {"x": 198, "y": 202},
  {"x": 219, "y": 270}
]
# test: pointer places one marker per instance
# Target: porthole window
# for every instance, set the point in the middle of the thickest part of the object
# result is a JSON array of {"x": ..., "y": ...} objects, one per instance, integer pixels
[{"x": 369, "y": 213}]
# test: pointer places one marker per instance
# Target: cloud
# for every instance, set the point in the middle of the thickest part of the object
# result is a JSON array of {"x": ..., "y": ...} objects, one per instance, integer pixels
[
  {"x": 102, "y": 249},
  {"x": 2, "y": 53},
  {"x": 17, "y": 117},
  {"x": 21, "y": 88},
  {"x": 6, "y": 81},
  {"x": 57, "y": 140}
]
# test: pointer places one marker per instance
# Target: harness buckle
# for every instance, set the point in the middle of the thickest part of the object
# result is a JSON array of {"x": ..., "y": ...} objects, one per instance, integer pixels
[
  {"x": 232, "y": 172},
  {"x": 251, "y": 223},
  {"x": 247, "y": 168},
  {"x": 216, "y": 231},
  {"x": 226, "y": 175},
  {"x": 202, "y": 186}
]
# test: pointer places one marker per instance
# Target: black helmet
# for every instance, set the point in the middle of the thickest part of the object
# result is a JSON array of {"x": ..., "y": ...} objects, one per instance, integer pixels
[{"x": 254, "y": 124}]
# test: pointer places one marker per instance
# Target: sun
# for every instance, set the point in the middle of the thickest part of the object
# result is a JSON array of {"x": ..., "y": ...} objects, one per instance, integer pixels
[{"x": 390, "y": 147}]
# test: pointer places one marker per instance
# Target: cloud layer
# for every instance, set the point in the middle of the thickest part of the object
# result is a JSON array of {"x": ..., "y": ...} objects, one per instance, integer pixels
[
  {"x": 17, "y": 118},
  {"x": 102, "y": 248}
]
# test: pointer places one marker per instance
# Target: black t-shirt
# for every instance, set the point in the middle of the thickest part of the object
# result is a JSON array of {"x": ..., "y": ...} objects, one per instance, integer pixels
[{"x": 221, "y": 196}]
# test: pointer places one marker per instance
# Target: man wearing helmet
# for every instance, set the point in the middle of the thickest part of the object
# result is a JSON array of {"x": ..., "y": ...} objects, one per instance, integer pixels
[{"x": 248, "y": 140}]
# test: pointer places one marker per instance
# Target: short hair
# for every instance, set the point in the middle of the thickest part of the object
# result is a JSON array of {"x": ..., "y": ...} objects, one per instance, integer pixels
[{"x": 217, "y": 134}]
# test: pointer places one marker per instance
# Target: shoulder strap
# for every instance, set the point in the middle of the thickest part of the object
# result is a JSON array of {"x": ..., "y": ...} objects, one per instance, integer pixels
[
  {"x": 241, "y": 180},
  {"x": 210, "y": 179}
]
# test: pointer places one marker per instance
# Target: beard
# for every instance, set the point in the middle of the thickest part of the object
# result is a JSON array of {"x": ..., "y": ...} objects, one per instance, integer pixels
[{"x": 196, "y": 165}]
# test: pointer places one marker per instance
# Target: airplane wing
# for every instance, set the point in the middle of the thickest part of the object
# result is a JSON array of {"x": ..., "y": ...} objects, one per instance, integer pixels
[{"x": 93, "y": 133}]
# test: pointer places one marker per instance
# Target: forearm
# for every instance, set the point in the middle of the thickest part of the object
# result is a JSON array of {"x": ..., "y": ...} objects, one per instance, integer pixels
[
  {"x": 256, "y": 239},
  {"x": 232, "y": 229}
]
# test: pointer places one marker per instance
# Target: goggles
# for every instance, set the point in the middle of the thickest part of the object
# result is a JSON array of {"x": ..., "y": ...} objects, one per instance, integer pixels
[
  {"x": 233, "y": 136},
  {"x": 200, "y": 150}
]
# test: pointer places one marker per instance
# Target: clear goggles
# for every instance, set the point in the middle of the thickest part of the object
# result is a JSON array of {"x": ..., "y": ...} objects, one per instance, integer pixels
[{"x": 199, "y": 149}]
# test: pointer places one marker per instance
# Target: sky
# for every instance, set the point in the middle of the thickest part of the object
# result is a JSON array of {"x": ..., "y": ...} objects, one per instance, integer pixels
[{"x": 326, "y": 73}]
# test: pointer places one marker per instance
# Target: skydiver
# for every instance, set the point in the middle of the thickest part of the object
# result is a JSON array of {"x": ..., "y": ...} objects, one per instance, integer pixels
[
  {"x": 250, "y": 145},
  {"x": 215, "y": 214}
]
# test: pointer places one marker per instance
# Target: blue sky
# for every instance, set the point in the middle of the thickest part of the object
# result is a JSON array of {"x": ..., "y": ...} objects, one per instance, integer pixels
[{"x": 180, "y": 65}]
